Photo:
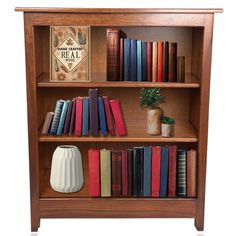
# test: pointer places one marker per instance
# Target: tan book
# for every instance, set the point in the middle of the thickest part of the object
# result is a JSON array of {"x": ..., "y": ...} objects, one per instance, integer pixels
[
  {"x": 154, "y": 62},
  {"x": 105, "y": 165},
  {"x": 191, "y": 173},
  {"x": 47, "y": 122}
]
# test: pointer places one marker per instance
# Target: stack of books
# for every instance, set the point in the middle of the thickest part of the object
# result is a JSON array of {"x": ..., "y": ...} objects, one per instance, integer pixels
[
  {"x": 92, "y": 115},
  {"x": 151, "y": 171},
  {"x": 136, "y": 60}
]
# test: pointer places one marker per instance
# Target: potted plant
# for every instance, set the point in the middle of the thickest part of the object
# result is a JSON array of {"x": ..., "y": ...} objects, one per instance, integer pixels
[
  {"x": 167, "y": 126},
  {"x": 151, "y": 99}
]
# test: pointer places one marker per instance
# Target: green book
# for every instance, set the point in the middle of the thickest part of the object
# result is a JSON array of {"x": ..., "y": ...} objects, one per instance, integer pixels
[{"x": 105, "y": 165}]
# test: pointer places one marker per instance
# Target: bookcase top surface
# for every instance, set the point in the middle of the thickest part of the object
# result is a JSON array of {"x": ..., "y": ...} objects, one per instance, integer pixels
[{"x": 119, "y": 10}]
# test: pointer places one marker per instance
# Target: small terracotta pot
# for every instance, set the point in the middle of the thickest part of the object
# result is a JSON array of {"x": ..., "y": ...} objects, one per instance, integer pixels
[
  {"x": 167, "y": 130},
  {"x": 154, "y": 121}
]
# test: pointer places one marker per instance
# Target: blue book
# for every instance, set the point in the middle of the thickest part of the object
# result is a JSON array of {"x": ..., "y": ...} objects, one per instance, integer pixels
[
  {"x": 62, "y": 118},
  {"x": 102, "y": 117},
  {"x": 139, "y": 60},
  {"x": 144, "y": 61},
  {"x": 85, "y": 114},
  {"x": 147, "y": 166},
  {"x": 56, "y": 117},
  {"x": 127, "y": 60},
  {"x": 133, "y": 60},
  {"x": 164, "y": 171}
]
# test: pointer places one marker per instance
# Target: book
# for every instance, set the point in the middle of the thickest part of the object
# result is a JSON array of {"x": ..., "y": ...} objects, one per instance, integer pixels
[
  {"x": 191, "y": 173},
  {"x": 56, "y": 117},
  {"x": 172, "y": 75},
  {"x": 133, "y": 60},
  {"x": 62, "y": 118},
  {"x": 138, "y": 172},
  {"x": 78, "y": 115},
  {"x": 139, "y": 61},
  {"x": 105, "y": 170},
  {"x": 130, "y": 153},
  {"x": 47, "y": 123},
  {"x": 165, "y": 61},
  {"x": 68, "y": 118},
  {"x": 172, "y": 171},
  {"x": 113, "y": 54},
  {"x": 181, "y": 173},
  {"x": 144, "y": 61},
  {"x": 164, "y": 171},
  {"x": 127, "y": 60},
  {"x": 181, "y": 69},
  {"x": 160, "y": 61},
  {"x": 154, "y": 62},
  {"x": 102, "y": 116},
  {"x": 93, "y": 98},
  {"x": 109, "y": 118},
  {"x": 118, "y": 117},
  {"x": 69, "y": 53},
  {"x": 121, "y": 59},
  {"x": 116, "y": 173},
  {"x": 124, "y": 172},
  {"x": 156, "y": 171},
  {"x": 94, "y": 172},
  {"x": 85, "y": 116},
  {"x": 147, "y": 168},
  {"x": 72, "y": 120},
  {"x": 149, "y": 61}
]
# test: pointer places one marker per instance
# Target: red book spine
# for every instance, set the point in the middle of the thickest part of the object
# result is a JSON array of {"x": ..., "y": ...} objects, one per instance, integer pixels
[
  {"x": 160, "y": 61},
  {"x": 109, "y": 118},
  {"x": 149, "y": 61},
  {"x": 156, "y": 170},
  {"x": 124, "y": 173},
  {"x": 94, "y": 172},
  {"x": 172, "y": 171},
  {"x": 78, "y": 115},
  {"x": 116, "y": 157},
  {"x": 118, "y": 117}
]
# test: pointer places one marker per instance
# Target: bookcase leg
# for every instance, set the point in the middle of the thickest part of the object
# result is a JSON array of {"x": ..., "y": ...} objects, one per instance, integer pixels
[
  {"x": 199, "y": 223},
  {"x": 35, "y": 224}
]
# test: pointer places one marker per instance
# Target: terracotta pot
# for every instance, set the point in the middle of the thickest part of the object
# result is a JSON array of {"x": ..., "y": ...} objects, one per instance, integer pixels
[
  {"x": 154, "y": 121},
  {"x": 167, "y": 130}
]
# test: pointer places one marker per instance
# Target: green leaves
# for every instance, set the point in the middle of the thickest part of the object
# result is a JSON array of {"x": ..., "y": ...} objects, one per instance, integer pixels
[
  {"x": 151, "y": 98},
  {"x": 167, "y": 120}
]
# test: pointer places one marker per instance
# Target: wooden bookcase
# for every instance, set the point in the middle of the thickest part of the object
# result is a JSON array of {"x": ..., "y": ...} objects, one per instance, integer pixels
[{"x": 187, "y": 102}]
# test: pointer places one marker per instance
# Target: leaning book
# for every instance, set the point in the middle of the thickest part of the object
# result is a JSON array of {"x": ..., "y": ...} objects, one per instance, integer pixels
[{"x": 69, "y": 53}]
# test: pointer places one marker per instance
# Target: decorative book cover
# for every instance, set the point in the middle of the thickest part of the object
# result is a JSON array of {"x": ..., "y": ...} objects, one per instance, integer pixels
[
  {"x": 172, "y": 171},
  {"x": 172, "y": 75},
  {"x": 124, "y": 172},
  {"x": 149, "y": 61},
  {"x": 85, "y": 122},
  {"x": 156, "y": 171},
  {"x": 130, "y": 153},
  {"x": 164, "y": 171},
  {"x": 102, "y": 117},
  {"x": 116, "y": 173},
  {"x": 133, "y": 60},
  {"x": 62, "y": 118},
  {"x": 147, "y": 168},
  {"x": 191, "y": 173},
  {"x": 93, "y": 96},
  {"x": 78, "y": 115},
  {"x": 47, "y": 122},
  {"x": 69, "y": 53},
  {"x": 181, "y": 173}
]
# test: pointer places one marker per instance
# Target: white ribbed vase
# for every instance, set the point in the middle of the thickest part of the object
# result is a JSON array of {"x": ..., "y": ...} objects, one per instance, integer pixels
[{"x": 66, "y": 170}]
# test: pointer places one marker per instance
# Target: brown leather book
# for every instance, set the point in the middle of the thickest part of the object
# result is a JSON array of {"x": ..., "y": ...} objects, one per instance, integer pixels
[
  {"x": 154, "y": 62},
  {"x": 181, "y": 69},
  {"x": 191, "y": 173},
  {"x": 116, "y": 173},
  {"x": 47, "y": 122},
  {"x": 160, "y": 61},
  {"x": 172, "y": 74},
  {"x": 149, "y": 61},
  {"x": 172, "y": 171}
]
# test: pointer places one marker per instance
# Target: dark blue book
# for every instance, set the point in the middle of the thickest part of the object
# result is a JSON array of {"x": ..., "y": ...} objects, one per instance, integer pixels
[
  {"x": 147, "y": 166},
  {"x": 68, "y": 118},
  {"x": 164, "y": 171},
  {"x": 56, "y": 117},
  {"x": 62, "y": 118},
  {"x": 182, "y": 173},
  {"x": 85, "y": 114},
  {"x": 139, "y": 60},
  {"x": 127, "y": 59},
  {"x": 144, "y": 61},
  {"x": 102, "y": 116},
  {"x": 133, "y": 60}
]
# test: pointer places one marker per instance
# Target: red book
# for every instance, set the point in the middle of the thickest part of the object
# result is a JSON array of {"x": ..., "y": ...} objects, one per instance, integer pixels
[
  {"x": 109, "y": 118},
  {"x": 116, "y": 173},
  {"x": 118, "y": 117},
  {"x": 149, "y": 61},
  {"x": 94, "y": 172},
  {"x": 160, "y": 61},
  {"x": 156, "y": 171},
  {"x": 78, "y": 115},
  {"x": 172, "y": 171},
  {"x": 124, "y": 173}
]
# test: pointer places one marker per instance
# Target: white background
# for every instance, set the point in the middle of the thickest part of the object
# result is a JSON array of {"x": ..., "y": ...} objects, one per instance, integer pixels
[{"x": 221, "y": 172}]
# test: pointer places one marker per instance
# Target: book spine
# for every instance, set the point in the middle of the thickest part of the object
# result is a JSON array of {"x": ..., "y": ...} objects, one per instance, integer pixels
[
  {"x": 109, "y": 118},
  {"x": 85, "y": 123},
  {"x": 78, "y": 116},
  {"x": 118, "y": 117},
  {"x": 147, "y": 165},
  {"x": 56, "y": 117},
  {"x": 67, "y": 120},
  {"x": 144, "y": 61},
  {"x": 47, "y": 122},
  {"x": 191, "y": 173},
  {"x": 165, "y": 61},
  {"x": 94, "y": 172},
  {"x": 127, "y": 60},
  {"x": 149, "y": 61},
  {"x": 172, "y": 75},
  {"x": 133, "y": 60},
  {"x": 105, "y": 164},
  {"x": 72, "y": 121},
  {"x": 164, "y": 171},
  {"x": 154, "y": 62},
  {"x": 156, "y": 167},
  {"x": 124, "y": 173},
  {"x": 121, "y": 59},
  {"x": 160, "y": 61},
  {"x": 172, "y": 171},
  {"x": 62, "y": 118},
  {"x": 130, "y": 153},
  {"x": 93, "y": 97},
  {"x": 139, "y": 61},
  {"x": 182, "y": 173},
  {"x": 116, "y": 173},
  {"x": 102, "y": 117}
]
